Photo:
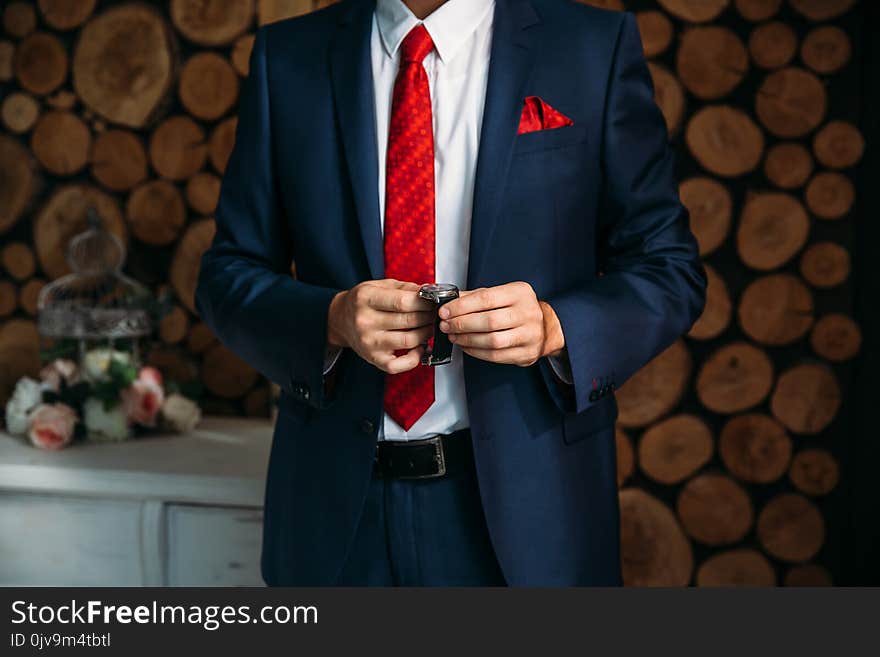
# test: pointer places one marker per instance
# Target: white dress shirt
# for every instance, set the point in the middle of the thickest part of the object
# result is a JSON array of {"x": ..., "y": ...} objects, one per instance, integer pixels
[{"x": 458, "y": 70}]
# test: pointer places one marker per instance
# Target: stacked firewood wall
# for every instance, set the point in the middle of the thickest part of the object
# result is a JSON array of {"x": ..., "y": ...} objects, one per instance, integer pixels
[{"x": 730, "y": 443}]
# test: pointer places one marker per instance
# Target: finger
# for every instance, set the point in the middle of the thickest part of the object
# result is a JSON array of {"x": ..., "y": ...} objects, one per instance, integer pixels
[
  {"x": 498, "y": 319},
  {"x": 487, "y": 298},
  {"x": 397, "y": 364},
  {"x": 514, "y": 356},
  {"x": 393, "y": 283},
  {"x": 400, "y": 321},
  {"x": 397, "y": 300},
  {"x": 393, "y": 340},
  {"x": 495, "y": 340}
]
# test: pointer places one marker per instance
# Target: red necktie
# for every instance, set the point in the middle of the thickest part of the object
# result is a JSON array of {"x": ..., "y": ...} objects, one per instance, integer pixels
[{"x": 409, "y": 209}]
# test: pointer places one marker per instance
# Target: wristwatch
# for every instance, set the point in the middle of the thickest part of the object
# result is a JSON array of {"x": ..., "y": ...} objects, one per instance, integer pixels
[{"x": 439, "y": 351}]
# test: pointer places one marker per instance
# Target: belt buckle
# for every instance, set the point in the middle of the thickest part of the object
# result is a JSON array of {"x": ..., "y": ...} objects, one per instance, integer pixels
[{"x": 439, "y": 458}]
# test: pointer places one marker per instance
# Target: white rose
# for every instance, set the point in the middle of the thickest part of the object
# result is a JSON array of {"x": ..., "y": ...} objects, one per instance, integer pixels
[
  {"x": 28, "y": 394},
  {"x": 97, "y": 361},
  {"x": 105, "y": 425},
  {"x": 180, "y": 413}
]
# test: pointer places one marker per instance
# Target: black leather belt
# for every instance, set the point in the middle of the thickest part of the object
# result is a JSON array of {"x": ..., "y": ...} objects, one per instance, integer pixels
[{"x": 429, "y": 458}]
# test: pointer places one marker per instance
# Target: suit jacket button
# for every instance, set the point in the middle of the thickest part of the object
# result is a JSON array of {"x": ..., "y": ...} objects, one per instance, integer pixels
[{"x": 367, "y": 426}]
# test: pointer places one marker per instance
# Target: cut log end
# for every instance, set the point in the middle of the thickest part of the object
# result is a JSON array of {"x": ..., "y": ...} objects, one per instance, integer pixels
[
  {"x": 825, "y": 264},
  {"x": 739, "y": 567},
  {"x": 725, "y": 141},
  {"x": 655, "y": 390},
  {"x": 156, "y": 212},
  {"x": 711, "y": 61},
  {"x": 755, "y": 448},
  {"x": 695, "y": 12},
  {"x": 674, "y": 449},
  {"x": 656, "y": 31},
  {"x": 668, "y": 95},
  {"x": 811, "y": 575},
  {"x": 788, "y": 165},
  {"x": 40, "y": 63},
  {"x": 119, "y": 161},
  {"x": 61, "y": 142},
  {"x": 773, "y": 45},
  {"x": 19, "y": 19},
  {"x": 221, "y": 143},
  {"x": 791, "y": 102},
  {"x": 715, "y": 510},
  {"x": 814, "y": 472},
  {"x": 757, "y": 11},
  {"x": 830, "y": 195},
  {"x": 776, "y": 310},
  {"x": 836, "y": 338},
  {"x": 174, "y": 326},
  {"x": 212, "y": 23},
  {"x": 791, "y": 528},
  {"x": 710, "y": 207},
  {"x": 185, "y": 263},
  {"x": 18, "y": 181},
  {"x": 625, "y": 456},
  {"x": 839, "y": 145},
  {"x": 203, "y": 192},
  {"x": 177, "y": 148},
  {"x": 208, "y": 86},
  {"x": 654, "y": 550},
  {"x": 735, "y": 378},
  {"x": 773, "y": 228},
  {"x": 806, "y": 399},
  {"x": 822, "y": 10},
  {"x": 124, "y": 64},
  {"x": 19, "y": 112},
  {"x": 18, "y": 260},
  {"x": 826, "y": 49},
  {"x": 718, "y": 310}
]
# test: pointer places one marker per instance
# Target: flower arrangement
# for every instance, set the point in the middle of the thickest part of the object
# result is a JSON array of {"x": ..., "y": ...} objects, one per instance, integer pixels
[{"x": 106, "y": 398}]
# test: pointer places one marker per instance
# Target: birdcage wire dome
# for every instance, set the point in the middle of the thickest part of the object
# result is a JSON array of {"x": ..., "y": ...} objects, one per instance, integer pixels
[{"x": 96, "y": 301}]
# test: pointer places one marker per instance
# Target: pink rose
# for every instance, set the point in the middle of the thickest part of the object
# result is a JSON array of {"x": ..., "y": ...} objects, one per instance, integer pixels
[
  {"x": 142, "y": 401},
  {"x": 50, "y": 426},
  {"x": 150, "y": 375},
  {"x": 58, "y": 369}
]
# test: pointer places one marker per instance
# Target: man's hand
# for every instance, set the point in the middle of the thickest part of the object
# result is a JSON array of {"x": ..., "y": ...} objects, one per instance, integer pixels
[
  {"x": 503, "y": 324},
  {"x": 385, "y": 322}
]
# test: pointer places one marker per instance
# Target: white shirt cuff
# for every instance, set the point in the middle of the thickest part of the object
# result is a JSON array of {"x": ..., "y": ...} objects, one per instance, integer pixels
[
  {"x": 562, "y": 367},
  {"x": 331, "y": 355}
]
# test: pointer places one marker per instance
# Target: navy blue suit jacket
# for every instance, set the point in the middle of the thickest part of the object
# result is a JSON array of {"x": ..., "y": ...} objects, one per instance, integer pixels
[{"x": 587, "y": 214}]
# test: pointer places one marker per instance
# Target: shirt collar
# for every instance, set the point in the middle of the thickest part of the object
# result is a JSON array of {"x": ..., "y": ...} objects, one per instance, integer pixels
[{"x": 449, "y": 25}]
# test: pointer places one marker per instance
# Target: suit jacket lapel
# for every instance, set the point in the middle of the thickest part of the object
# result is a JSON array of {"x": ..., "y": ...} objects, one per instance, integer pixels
[
  {"x": 350, "y": 66},
  {"x": 510, "y": 66}
]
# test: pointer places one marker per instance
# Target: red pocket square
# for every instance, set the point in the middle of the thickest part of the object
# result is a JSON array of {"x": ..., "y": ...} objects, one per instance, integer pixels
[{"x": 538, "y": 115}]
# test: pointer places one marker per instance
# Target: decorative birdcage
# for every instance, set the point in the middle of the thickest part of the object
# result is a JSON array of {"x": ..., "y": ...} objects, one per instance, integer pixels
[{"x": 95, "y": 306}]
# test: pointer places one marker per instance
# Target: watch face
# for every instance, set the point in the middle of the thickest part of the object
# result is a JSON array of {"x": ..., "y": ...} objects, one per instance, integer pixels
[{"x": 438, "y": 291}]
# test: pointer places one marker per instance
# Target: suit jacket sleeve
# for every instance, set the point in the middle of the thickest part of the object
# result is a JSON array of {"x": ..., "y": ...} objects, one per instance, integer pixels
[
  {"x": 652, "y": 286},
  {"x": 245, "y": 291}
]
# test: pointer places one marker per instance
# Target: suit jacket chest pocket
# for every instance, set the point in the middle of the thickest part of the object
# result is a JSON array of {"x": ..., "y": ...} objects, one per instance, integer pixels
[{"x": 551, "y": 139}]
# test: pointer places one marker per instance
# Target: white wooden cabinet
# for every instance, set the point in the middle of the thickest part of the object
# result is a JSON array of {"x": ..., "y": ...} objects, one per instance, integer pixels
[{"x": 156, "y": 511}]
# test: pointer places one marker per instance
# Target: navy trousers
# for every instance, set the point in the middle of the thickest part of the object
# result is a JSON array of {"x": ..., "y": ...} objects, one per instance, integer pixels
[{"x": 426, "y": 532}]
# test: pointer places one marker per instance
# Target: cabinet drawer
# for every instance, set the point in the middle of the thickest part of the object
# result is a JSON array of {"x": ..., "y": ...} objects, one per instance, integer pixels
[
  {"x": 66, "y": 541},
  {"x": 213, "y": 546}
]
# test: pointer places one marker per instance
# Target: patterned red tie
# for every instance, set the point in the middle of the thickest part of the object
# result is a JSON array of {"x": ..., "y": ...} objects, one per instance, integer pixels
[{"x": 409, "y": 209}]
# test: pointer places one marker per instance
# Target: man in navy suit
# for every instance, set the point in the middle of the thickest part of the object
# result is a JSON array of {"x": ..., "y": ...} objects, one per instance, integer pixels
[{"x": 511, "y": 148}]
